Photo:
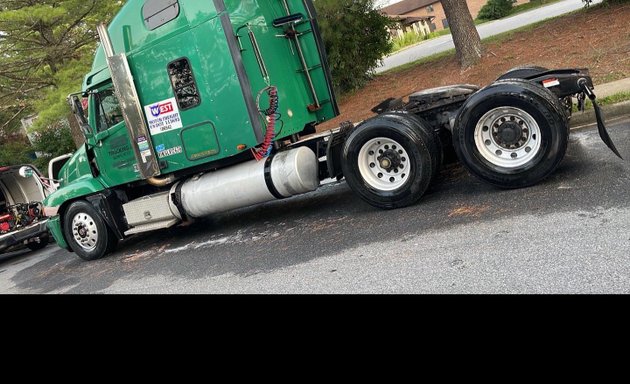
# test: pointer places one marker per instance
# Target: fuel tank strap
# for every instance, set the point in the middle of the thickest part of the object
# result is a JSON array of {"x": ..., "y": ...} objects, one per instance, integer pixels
[
  {"x": 272, "y": 188},
  {"x": 176, "y": 198}
]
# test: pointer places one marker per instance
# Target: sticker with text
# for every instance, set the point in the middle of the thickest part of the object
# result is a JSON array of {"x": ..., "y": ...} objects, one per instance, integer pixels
[
  {"x": 163, "y": 116},
  {"x": 551, "y": 83},
  {"x": 143, "y": 144},
  {"x": 170, "y": 152}
]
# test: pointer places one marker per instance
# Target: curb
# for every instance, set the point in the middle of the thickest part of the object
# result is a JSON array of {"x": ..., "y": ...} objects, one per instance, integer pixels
[{"x": 609, "y": 111}]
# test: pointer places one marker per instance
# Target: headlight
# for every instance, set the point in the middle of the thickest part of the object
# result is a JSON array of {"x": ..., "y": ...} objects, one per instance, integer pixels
[{"x": 50, "y": 211}]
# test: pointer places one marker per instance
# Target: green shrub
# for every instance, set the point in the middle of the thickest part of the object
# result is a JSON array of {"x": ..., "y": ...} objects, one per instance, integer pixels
[
  {"x": 52, "y": 141},
  {"x": 407, "y": 39},
  {"x": 356, "y": 38},
  {"x": 15, "y": 151},
  {"x": 495, "y": 9}
]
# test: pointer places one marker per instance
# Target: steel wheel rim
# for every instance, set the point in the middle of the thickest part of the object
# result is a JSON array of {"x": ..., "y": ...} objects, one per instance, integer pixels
[
  {"x": 384, "y": 164},
  {"x": 84, "y": 231},
  {"x": 508, "y": 137}
]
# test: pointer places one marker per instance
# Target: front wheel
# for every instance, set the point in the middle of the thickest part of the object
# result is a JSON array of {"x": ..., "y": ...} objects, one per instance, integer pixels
[
  {"x": 511, "y": 134},
  {"x": 87, "y": 233}
]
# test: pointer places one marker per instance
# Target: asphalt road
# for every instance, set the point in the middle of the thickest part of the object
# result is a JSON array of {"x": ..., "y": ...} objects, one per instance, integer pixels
[
  {"x": 444, "y": 43},
  {"x": 568, "y": 234}
]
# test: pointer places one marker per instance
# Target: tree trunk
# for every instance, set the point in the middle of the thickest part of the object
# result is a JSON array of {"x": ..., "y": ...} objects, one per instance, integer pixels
[{"x": 465, "y": 35}]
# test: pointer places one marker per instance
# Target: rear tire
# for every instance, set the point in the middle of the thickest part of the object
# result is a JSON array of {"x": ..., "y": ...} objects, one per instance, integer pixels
[
  {"x": 511, "y": 134},
  {"x": 432, "y": 138},
  {"x": 87, "y": 233},
  {"x": 390, "y": 160}
]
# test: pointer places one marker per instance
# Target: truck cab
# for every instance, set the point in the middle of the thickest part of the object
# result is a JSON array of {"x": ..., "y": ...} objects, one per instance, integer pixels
[
  {"x": 185, "y": 87},
  {"x": 200, "y": 70}
]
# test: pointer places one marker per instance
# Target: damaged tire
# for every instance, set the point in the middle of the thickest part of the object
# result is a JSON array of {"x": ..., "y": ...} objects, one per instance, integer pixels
[{"x": 511, "y": 134}]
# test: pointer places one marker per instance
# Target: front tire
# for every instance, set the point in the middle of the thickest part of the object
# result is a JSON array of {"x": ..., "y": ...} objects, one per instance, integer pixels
[
  {"x": 511, "y": 134},
  {"x": 87, "y": 233},
  {"x": 389, "y": 161}
]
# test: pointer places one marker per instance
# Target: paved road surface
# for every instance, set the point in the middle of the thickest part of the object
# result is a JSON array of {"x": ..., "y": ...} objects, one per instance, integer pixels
[
  {"x": 569, "y": 234},
  {"x": 444, "y": 43}
]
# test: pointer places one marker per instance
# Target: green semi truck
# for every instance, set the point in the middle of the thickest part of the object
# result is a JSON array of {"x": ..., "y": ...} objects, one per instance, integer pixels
[{"x": 198, "y": 107}]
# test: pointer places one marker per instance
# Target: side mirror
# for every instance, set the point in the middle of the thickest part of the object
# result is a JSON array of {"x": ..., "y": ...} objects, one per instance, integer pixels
[
  {"x": 26, "y": 172},
  {"x": 77, "y": 109}
]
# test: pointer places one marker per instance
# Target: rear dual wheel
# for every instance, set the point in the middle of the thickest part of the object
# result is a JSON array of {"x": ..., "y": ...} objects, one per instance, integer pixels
[
  {"x": 511, "y": 134},
  {"x": 390, "y": 160}
]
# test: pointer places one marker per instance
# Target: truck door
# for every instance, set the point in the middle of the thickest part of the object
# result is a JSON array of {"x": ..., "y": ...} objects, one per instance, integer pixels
[{"x": 113, "y": 152}]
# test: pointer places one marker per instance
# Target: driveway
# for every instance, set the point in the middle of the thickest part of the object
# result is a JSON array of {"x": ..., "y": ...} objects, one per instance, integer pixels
[{"x": 568, "y": 234}]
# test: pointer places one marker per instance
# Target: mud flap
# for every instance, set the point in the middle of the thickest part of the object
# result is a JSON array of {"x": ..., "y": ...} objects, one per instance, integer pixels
[{"x": 603, "y": 133}]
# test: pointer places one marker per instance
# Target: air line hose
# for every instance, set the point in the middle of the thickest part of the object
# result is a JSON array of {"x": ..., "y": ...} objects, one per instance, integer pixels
[{"x": 270, "y": 117}]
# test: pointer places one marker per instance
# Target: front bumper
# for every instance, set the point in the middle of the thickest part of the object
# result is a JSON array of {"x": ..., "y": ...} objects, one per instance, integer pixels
[{"x": 12, "y": 238}]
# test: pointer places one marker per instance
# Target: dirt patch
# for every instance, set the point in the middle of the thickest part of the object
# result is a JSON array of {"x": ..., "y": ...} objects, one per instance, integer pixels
[
  {"x": 468, "y": 210},
  {"x": 598, "y": 39},
  {"x": 141, "y": 255}
]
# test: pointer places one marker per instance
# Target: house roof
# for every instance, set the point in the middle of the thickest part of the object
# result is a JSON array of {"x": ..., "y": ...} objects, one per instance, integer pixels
[{"x": 406, "y": 6}]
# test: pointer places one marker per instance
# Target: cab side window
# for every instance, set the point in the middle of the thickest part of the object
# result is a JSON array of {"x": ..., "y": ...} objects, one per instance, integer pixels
[
  {"x": 108, "y": 112},
  {"x": 183, "y": 82}
]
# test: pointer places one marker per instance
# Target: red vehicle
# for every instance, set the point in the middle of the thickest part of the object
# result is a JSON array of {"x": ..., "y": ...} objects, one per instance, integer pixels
[{"x": 22, "y": 189}]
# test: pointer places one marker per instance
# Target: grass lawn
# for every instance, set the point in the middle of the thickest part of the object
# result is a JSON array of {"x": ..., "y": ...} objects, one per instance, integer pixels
[
  {"x": 531, "y": 5},
  {"x": 612, "y": 99},
  {"x": 597, "y": 38}
]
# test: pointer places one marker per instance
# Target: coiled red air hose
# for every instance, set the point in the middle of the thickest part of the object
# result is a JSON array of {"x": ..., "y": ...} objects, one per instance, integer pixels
[{"x": 270, "y": 113}]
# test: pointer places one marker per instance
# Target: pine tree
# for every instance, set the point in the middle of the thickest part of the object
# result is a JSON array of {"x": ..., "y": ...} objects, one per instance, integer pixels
[{"x": 47, "y": 46}]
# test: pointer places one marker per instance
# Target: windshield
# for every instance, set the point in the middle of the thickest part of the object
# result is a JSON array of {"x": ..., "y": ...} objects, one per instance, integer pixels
[{"x": 108, "y": 111}]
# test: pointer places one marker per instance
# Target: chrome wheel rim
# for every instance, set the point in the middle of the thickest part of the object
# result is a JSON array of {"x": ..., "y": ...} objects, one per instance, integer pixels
[
  {"x": 508, "y": 137},
  {"x": 384, "y": 164},
  {"x": 84, "y": 231}
]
